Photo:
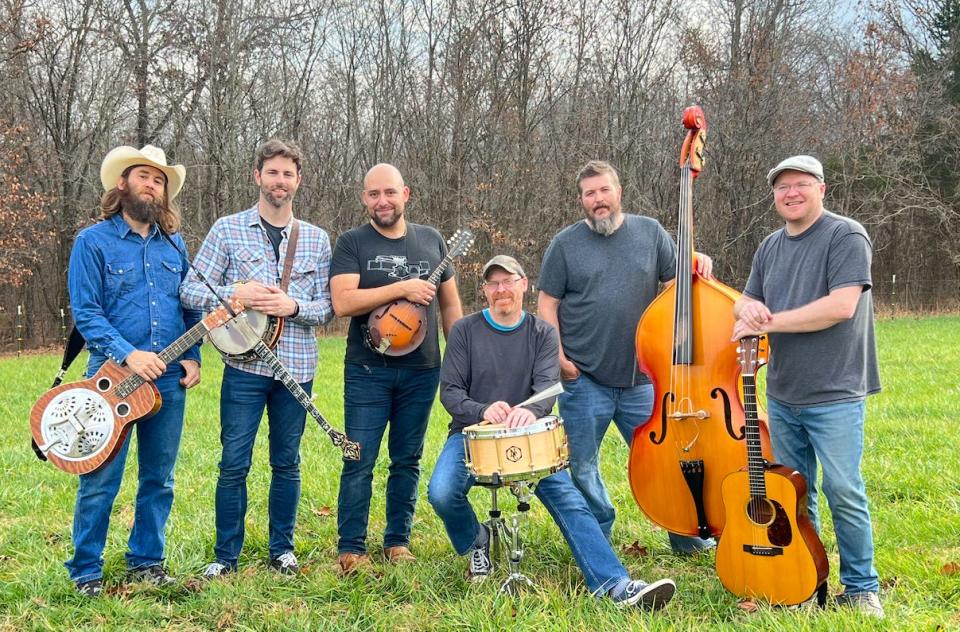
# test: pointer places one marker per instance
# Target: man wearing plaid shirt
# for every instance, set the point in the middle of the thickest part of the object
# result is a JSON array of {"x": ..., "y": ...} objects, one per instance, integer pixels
[{"x": 250, "y": 248}]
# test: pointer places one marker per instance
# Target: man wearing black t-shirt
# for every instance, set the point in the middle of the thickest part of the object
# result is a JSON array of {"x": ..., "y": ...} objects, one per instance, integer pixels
[{"x": 382, "y": 261}]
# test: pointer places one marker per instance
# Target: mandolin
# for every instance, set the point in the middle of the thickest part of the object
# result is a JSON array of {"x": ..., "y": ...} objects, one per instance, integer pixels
[
  {"x": 81, "y": 425},
  {"x": 399, "y": 327},
  {"x": 769, "y": 548}
]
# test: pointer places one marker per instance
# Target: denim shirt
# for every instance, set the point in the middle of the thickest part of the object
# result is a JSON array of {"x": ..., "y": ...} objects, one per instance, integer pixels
[{"x": 124, "y": 291}]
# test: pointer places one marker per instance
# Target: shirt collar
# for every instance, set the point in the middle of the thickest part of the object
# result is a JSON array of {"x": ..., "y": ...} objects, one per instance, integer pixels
[{"x": 124, "y": 229}]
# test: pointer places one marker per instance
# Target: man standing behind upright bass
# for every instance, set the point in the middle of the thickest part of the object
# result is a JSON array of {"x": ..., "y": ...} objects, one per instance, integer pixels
[{"x": 250, "y": 248}]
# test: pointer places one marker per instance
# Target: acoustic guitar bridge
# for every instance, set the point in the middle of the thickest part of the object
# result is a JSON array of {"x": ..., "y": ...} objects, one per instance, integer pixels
[{"x": 763, "y": 551}]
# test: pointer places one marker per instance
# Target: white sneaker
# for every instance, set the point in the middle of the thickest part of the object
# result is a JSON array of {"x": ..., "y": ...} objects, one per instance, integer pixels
[
  {"x": 480, "y": 564},
  {"x": 216, "y": 569}
]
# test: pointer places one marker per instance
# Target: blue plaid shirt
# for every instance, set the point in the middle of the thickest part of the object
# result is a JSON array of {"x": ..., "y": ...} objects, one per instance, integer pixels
[
  {"x": 123, "y": 292},
  {"x": 238, "y": 249}
]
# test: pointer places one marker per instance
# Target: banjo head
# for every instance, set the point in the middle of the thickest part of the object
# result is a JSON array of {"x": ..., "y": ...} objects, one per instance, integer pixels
[{"x": 233, "y": 343}]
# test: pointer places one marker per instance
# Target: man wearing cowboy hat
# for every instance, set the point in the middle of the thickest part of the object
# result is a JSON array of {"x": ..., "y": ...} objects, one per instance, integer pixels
[{"x": 124, "y": 280}]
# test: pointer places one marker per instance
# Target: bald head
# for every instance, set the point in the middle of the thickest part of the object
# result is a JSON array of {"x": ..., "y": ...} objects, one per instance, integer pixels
[{"x": 385, "y": 196}]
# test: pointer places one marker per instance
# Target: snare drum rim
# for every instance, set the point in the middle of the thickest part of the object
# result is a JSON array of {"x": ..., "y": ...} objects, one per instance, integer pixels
[{"x": 497, "y": 431}]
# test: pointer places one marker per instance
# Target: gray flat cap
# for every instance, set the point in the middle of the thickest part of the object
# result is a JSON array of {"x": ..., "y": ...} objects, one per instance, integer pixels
[{"x": 806, "y": 164}]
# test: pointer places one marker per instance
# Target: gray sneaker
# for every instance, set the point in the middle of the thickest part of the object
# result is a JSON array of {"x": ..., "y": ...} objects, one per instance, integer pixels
[
  {"x": 647, "y": 596},
  {"x": 480, "y": 564},
  {"x": 866, "y": 602},
  {"x": 153, "y": 574}
]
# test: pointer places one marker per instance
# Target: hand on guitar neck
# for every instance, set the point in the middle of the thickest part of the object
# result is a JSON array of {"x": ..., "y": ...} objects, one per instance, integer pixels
[
  {"x": 265, "y": 298},
  {"x": 146, "y": 364}
]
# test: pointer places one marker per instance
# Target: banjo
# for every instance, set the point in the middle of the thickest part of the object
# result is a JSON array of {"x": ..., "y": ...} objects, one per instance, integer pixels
[
  {"x": 233, "y": 344},
  {"x": 80, "y": 426}
]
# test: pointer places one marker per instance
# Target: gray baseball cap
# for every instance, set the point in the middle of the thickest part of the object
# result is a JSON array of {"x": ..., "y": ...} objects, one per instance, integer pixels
[
  {"x": 806, "y": 164},
  {"x": 506, "y": 262}
]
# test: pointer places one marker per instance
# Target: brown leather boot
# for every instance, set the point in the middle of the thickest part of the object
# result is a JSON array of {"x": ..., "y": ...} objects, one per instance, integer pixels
[
  {"x": 353, "y": 562},
  {"x": 396, "y": 554}
]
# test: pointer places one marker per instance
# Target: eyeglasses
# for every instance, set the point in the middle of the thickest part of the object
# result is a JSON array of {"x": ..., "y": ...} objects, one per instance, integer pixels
[
  {"x": 801, "y": 187},
  {"x": 506, "y": 284}
]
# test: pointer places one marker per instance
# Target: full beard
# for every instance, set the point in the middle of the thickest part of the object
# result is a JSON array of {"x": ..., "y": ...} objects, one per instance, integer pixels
[
  {"x": 140, "y": 210},
  {"x": 605, "y": 226},
  {"x": 275, "y": 200},
  {"x": 385, "y": 222}
]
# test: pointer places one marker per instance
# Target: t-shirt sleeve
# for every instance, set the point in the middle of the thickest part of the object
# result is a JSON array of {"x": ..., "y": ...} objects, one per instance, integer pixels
[
  {"x": 666, "y": 255},
  {"x": 346, "y": 259},
  {"x": 553, "y": 271},
  {"x": 848, "y": 263},
  {"x": 754, "y": 287}
]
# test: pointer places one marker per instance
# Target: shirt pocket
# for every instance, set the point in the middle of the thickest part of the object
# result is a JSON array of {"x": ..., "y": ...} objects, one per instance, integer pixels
[
  {"x": 122, "y": 276},
  {"x": 251, "y": 266},
  {"x": 303, "y": 277},
  {"x": 169, "y": 274}
]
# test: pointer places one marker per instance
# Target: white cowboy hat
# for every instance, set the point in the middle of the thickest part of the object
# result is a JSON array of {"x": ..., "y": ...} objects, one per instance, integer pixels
[{"x": 119, "y": 159}]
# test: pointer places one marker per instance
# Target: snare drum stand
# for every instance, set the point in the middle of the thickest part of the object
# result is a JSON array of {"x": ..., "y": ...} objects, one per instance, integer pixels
[{"x": 522, "y": 490}]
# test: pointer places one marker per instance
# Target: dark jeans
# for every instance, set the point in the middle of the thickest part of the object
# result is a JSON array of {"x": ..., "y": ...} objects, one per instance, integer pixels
[
  {"x": 158, "y": 441},
  {"x": 242, "y": 400},
  {"x": 372, "y": 397}
]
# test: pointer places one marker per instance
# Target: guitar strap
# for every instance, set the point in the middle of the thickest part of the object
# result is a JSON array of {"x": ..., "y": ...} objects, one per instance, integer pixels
[{"x": 291, "y": 253}]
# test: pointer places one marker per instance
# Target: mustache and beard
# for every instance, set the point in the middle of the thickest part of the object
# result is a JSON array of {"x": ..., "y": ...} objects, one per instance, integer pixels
[
  {"x": 605, "y": 226},
  {"x": 139, "y": 209},
  {"x": 277, "y": 196},
  {"x": 386, "y": 221}
]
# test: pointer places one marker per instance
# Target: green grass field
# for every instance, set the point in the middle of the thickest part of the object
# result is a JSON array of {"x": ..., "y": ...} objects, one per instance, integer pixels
[{"x": 911, "y": 465}]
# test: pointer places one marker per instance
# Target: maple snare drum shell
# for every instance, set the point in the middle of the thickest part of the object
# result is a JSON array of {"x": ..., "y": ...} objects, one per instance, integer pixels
[{"x": 495, "y": 453}]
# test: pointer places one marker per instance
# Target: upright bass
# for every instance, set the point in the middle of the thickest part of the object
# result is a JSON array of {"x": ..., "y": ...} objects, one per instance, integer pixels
[{"x": 695, "y": 435}]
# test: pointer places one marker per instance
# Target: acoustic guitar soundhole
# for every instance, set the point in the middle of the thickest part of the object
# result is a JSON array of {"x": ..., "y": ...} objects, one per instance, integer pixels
[{"x": 760, "y": 511}]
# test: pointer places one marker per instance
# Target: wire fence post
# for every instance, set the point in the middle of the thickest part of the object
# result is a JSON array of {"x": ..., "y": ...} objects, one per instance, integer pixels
[
  {"x": 63, "y": 328},
  {"x": 19, "y": 330}
]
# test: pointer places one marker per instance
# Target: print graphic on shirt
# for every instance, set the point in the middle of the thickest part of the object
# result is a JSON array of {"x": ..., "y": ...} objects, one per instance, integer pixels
[{"x": 398, "y": 267}]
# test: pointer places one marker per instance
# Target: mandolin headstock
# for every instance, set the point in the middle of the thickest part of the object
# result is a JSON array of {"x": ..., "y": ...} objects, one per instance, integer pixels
[{"x": 459, "y": 244}]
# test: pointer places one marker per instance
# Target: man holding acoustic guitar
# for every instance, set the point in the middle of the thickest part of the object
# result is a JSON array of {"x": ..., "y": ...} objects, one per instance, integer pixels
[
  {"x": 278, "y": 266},
  {"x": 378, "y": 278},
  {"x": 809, "y": 288},
  {"x": 123, "y": 282}
]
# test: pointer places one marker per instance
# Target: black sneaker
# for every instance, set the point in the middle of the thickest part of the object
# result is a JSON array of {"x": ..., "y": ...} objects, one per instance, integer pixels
[
  {"x": 90, "y": 588},
  {"x": 480, "y": 564},
  {"x": 647, "y": 596},
  {"x": 153, "y": 574},
  {"x": 285, "y": 564}
]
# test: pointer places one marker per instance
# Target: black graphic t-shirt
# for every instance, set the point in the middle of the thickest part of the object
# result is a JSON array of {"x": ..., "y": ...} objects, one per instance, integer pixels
[{"x": 380, "y": 261}]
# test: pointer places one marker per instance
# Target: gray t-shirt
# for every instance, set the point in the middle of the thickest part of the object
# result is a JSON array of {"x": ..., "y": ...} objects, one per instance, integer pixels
[
  {"x": 837, "y": 364},
  {"x": 483, "y": 364},
  {"x": 604, "y": 284}
]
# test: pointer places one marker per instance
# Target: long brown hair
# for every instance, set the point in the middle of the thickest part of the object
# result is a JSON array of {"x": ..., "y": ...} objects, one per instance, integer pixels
[{"x": 110, "y": 205}]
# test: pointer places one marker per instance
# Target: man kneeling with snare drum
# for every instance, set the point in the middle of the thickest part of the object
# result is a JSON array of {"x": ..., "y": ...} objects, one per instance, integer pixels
[{"x": 496, "y": 357}]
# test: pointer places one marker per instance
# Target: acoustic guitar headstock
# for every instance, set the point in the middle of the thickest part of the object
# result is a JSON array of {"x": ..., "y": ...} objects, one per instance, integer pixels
[{"x": 753, "y": 353}]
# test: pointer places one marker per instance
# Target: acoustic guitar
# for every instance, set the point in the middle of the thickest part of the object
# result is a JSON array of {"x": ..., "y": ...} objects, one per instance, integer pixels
[
  {"x": 81, "y": 425},
  {"x": 769, "y": 549},
  {"x": 399, "y": 327}
]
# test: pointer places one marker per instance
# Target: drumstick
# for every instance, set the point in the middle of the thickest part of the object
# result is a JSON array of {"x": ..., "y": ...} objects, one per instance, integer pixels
[{"x": 553, "y": 391}]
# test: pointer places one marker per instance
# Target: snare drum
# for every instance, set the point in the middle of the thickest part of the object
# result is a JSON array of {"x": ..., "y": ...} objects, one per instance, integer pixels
[{"x": 495, "y": 453}]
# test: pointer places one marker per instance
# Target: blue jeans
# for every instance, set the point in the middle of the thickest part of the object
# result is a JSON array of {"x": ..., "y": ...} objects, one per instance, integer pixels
[
  {"x": 372, "y": 397},
  {"x": 243, "y": 397},
  {"x": 587, "y": 409},
  {"x": 158, "y": 441},
  {"x": 448, "y": 494},
  {"x": 834, "y": 435}
]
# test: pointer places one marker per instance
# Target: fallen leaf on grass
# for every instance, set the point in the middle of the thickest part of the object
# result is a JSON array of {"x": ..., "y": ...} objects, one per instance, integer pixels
[
  {"x": 890, "y": 582},
  {"x": 636, "y": 549},
  {"x": 193, "y": 585},
  {"x": 748, "y": 606},
  {"x": 323, "y": 512},
  {"x": 37, "y": 601},
  {"x": 950, "y": 568},
  {"x": 225, "y": 622}
]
